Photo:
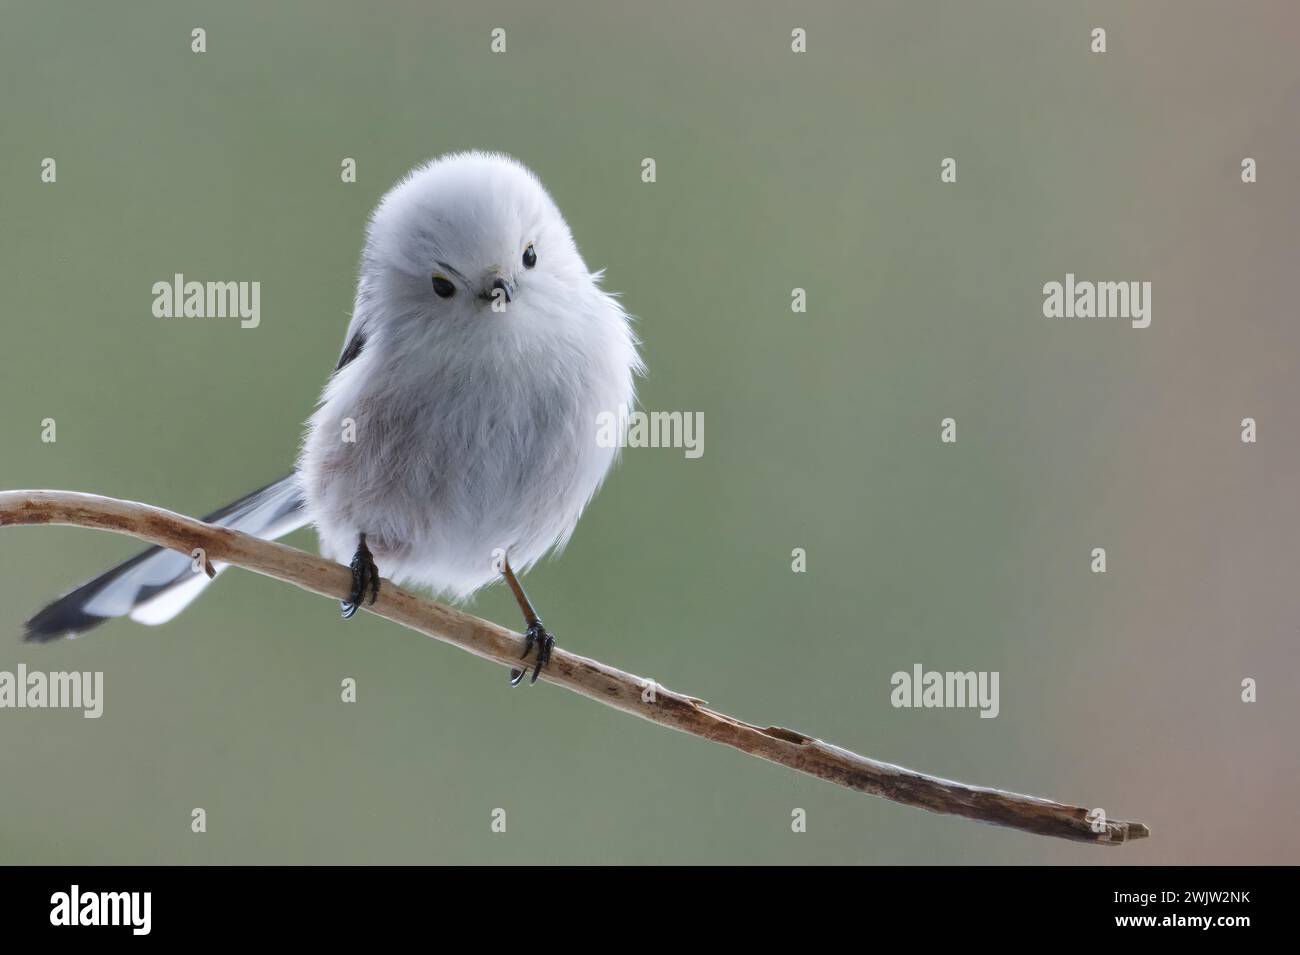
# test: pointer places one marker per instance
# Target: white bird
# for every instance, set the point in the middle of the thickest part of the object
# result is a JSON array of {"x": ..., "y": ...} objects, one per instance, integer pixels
[{"x": 456, "y": 440}]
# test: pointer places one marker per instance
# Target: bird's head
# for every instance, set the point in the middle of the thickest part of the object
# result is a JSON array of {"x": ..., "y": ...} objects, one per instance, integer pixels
[{"x": 470, "y": 237}]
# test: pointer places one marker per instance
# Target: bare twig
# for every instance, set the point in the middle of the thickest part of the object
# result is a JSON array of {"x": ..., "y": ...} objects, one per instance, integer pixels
[{"x": 594, "y": 680}]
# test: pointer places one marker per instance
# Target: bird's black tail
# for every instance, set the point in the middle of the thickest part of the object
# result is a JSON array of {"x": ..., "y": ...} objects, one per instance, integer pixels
[{"x": 156, "y": 585}]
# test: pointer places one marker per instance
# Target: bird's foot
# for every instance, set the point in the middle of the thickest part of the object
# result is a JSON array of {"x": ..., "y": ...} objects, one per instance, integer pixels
[
  {"x": 365, "y": 579},
  {"x": 537, "y": 635}
]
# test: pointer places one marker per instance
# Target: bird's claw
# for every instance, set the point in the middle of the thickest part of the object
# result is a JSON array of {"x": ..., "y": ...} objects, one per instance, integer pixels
[
  {"x": 539, "y": 635},
  {"x": 365, "y": 579}
]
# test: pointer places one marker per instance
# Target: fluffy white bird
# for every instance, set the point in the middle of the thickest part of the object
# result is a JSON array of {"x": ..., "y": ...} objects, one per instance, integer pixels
[{"x": 456, "y": 440}]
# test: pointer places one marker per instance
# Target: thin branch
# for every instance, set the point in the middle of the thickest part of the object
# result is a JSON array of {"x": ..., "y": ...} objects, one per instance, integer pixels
[{"x": 589, "y": 678}]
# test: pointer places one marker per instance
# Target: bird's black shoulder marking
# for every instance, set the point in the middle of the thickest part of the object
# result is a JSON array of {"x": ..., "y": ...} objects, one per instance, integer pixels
[{"x": 352, "y": 350}]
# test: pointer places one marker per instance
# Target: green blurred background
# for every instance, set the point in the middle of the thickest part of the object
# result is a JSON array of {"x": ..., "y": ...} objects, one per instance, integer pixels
[{"x": 775, "y": 170}]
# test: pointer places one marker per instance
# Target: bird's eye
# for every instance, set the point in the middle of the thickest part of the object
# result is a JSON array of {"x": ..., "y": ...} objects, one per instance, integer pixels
[
  {"x": 530, "y": 257},
  {"x": 442, "y": 287}
]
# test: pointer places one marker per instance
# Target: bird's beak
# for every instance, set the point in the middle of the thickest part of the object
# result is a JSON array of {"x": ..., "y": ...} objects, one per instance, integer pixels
[{"x": 498, "y": 284}]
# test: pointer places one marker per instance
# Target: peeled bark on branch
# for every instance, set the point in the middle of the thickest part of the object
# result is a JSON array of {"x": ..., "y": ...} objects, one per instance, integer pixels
[{"x": 590, "y": 678}]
